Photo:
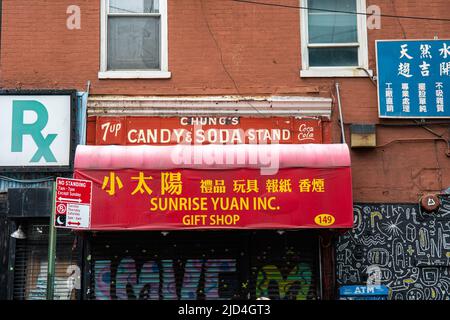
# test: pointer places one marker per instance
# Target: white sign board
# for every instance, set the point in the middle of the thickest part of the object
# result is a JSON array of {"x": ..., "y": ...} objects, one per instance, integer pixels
[{"x": 35, "y": 130}]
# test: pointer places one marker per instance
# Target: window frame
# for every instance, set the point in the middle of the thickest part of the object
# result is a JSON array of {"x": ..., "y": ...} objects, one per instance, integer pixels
[
  {"x": 162, "y": 73},
  {"x": 362, "y": 70}
]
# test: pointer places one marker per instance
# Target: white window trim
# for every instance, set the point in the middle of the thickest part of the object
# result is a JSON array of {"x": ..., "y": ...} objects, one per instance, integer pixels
[
  {"x": 104, "y": 73},
  {"x": 363, "y": 52}
]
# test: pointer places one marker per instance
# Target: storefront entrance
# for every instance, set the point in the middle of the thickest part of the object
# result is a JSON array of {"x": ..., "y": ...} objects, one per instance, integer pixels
[
  {"x": 204, "y": 265},
  {"x": 212, "y": 208}
]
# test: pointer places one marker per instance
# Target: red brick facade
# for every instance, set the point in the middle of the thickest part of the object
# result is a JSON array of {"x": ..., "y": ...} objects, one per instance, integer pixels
[{"x": 221, "y": 47}]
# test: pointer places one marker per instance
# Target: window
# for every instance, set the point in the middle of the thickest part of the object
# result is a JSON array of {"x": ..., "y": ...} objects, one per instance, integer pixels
[
  {"x": 334, "y": 44},
  {"x": 134, "y": 39}
]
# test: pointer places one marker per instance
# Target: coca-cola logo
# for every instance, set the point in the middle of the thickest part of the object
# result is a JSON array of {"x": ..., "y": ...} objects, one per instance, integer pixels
[{"x": 305, "y": 133}]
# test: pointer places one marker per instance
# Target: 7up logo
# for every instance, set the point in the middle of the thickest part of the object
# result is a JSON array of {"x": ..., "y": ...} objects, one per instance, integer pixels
[
  {"x": 35, "y": 130},
  {"x": 21, "y": 129}
]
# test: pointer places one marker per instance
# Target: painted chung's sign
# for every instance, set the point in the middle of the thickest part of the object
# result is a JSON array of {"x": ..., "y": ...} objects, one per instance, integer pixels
[
  {"x": 217, "y": 199},
  {"x": 414, "y": 78},
  {"x": 206, "y": 130},
  {"x": 36, "y": 130}
]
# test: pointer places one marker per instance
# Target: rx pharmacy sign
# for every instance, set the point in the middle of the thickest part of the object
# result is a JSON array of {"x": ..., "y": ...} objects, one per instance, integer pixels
[
  {"x": 414, "y": 78},
  {"x": 36, "y": 130}
]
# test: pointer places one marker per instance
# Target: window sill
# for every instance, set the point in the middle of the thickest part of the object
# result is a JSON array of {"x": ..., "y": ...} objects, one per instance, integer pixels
[
  {"x": 334, "y": 72},
  {"x": 134, "y": 75}
]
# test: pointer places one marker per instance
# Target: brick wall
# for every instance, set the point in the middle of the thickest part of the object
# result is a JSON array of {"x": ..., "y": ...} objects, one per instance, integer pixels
[{"x": 216, "y": 46}]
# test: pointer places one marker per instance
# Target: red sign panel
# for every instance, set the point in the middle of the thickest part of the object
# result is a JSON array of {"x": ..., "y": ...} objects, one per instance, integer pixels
[
  {"x": 212, "y": 199},
  {"x": 73, "y": 203},
  {"x": 206, "y": 130}
]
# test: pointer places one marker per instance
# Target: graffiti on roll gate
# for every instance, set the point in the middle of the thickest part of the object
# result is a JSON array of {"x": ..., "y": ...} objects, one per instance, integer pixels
[
  {"x": 409, "y": 248},
  {"x": 127, "y": 278},
  {"x": 157, "y": 279}
]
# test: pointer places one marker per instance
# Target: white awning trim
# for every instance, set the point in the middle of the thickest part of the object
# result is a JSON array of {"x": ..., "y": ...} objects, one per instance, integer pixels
[{"x": 267, "y": 106}]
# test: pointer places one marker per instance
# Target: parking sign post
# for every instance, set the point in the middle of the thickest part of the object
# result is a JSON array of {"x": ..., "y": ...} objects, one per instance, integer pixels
[{"x": 51, "y": 250}]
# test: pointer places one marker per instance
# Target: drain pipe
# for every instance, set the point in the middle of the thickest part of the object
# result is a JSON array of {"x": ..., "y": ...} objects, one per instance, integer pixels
[{"x": 341, "y": 120}]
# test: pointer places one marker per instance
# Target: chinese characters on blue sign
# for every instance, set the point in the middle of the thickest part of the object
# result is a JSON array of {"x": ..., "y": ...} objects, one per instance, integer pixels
[{"x": 414, "y": 78}]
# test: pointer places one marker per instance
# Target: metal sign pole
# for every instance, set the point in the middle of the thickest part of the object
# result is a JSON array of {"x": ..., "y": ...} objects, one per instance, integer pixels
[{"x": 51, "y": 249}]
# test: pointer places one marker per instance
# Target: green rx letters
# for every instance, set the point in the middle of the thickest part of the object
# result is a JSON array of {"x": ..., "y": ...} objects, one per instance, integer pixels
[{"x": 20, "y": 129}]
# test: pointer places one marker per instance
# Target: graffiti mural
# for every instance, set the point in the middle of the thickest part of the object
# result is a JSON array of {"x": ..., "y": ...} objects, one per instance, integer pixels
[
  {"x": 411, "y": 248},
  {"x": 156, "y": 280},
  {"x": 279, "y": 266},
  {"x": 295, "y": 286}
]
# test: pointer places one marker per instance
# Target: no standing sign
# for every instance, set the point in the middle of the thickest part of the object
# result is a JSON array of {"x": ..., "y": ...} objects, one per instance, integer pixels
[{"x": 73, "y": 200}]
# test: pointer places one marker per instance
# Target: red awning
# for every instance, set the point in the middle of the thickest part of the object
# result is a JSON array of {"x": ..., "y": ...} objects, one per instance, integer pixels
[
  {"x": 169, "y": 157},
  {"x": 218, "y": 186}
]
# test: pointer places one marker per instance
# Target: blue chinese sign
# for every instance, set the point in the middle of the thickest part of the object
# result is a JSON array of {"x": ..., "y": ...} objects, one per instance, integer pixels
[{"x": 414, "y": 78}]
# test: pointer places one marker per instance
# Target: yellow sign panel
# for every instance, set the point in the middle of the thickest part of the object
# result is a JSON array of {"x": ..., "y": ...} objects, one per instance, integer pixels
[{"x": 324, "y": 220}]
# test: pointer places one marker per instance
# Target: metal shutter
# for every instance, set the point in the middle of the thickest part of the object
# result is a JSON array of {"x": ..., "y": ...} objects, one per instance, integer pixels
[
  {"x": 151, "y": 265},
  {"x": 203, "y": 265},
  {"x": 31, "y": 263},
  {"x": 4, "y": 247},
  {"x": 285, "y": 265}
]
